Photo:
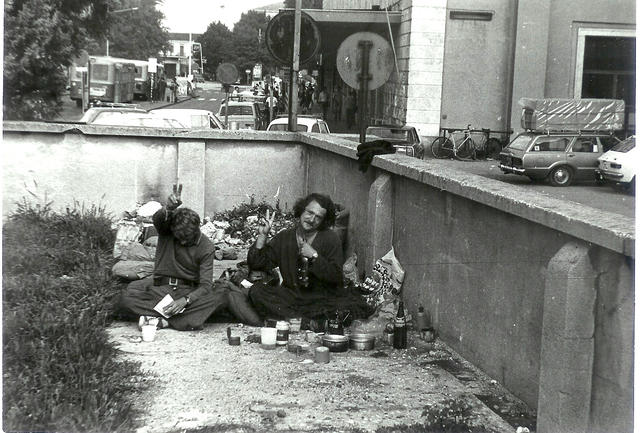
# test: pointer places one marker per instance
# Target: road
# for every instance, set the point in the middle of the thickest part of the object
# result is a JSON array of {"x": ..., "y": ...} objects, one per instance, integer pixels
[{"x": 209, "y": 96}]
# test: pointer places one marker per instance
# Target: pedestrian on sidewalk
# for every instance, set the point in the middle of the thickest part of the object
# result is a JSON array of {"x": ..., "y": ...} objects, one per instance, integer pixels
[
  {"x": 162, "y": 87},
  {"x": 336, "y": 104},
  {"x": 352, "y": 108},
  {"x": 323, "y": 100}
]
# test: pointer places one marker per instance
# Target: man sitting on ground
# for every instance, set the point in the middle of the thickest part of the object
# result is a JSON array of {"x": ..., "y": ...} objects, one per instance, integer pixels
[
  {"x": 310, "y": 246},
  {"x": 183, "y": 269}
]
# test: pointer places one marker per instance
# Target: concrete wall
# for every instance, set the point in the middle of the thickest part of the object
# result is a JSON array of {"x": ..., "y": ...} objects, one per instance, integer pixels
[
  {"x": 533, "y": 290},
  {"x": 218, "y": 171}
]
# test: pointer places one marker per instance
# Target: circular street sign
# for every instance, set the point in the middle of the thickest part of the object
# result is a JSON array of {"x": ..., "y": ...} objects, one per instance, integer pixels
[
  {"x": 279, "y": 37},
  {"x": 349, "y": 59},
  {"x": 227, "y": 73}
]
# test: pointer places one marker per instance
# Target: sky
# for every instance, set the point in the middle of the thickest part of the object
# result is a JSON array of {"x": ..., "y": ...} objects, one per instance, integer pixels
[{"x": 184, "y": 16}]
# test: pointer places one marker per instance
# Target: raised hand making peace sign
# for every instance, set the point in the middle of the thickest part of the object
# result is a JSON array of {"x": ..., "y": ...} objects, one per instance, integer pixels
[
  {"x": 174, "y": 200},
  {"x": 265, "y": 223}
]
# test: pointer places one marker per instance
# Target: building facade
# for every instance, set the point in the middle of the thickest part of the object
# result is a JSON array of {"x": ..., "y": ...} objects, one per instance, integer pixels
[
  {"x": 176, "y": 61},
  {"x": 465, "y": 62}
]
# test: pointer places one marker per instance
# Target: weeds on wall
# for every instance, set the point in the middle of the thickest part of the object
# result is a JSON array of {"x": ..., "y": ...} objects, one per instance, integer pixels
[{"x": 60, "y": 372}]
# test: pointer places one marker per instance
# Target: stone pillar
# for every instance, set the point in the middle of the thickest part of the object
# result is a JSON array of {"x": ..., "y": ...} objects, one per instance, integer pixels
[
  {"x": 191, "y": 174},
  {"x": 379, "y": 219},
  {"x": 567, "y": 346},
  {"x": 425, "y": 46}
]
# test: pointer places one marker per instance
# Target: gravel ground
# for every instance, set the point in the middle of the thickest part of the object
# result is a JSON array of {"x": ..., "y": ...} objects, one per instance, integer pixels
[{"x": 198, "y": 380}]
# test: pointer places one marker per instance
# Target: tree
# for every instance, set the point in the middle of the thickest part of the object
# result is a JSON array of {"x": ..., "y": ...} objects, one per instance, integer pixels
[
  {"x": 217, "y": 46},
  {"x": 248, "y": 41},
  {"x": 136, "y": 34},
  {"x": 40, "y": 39}
]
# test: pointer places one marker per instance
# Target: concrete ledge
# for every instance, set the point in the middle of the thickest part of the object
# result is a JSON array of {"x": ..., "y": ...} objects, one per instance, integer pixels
[{"x": 580, "y": 221}]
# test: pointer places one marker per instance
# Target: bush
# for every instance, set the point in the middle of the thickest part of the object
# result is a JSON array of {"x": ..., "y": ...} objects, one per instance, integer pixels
[{"x": 60, "y": 371}]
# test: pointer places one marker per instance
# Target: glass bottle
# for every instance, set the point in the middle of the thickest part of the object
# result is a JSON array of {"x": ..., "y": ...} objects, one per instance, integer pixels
[{"x": 400, "y": 328}]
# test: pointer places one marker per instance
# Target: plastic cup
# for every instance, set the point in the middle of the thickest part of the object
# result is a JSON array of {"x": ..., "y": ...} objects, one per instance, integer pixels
[
  {"x": 149, "y": 332},
  {"x": 268, "y": 337}
]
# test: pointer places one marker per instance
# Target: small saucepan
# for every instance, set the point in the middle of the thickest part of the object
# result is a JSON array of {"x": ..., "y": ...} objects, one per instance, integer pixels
[
  {"x": 335, "y": 343},
  {"x": 362, "y": 341}
]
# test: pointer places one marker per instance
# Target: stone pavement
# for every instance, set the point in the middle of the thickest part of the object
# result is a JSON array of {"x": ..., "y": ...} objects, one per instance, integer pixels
[{"x": 196, "y": 379}]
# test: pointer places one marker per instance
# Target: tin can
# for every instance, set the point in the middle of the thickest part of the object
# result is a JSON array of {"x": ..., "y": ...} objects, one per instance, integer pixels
[{"x": 282, "y": 332}]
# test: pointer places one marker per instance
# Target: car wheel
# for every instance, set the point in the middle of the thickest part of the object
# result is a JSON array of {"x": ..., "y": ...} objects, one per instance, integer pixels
[{"x": 561, "y": 176}]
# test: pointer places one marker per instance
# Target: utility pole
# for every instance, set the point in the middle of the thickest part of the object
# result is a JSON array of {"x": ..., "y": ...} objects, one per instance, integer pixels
[
  {"x": 295, "y": 66},
  {"x": 190, "y": 51}
]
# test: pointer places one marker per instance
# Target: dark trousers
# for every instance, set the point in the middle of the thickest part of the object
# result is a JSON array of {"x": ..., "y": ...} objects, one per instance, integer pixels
[{"x": 140, "y": 296}]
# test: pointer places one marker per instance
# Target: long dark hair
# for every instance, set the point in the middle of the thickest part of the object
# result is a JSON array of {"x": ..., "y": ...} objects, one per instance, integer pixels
[{"x": 324, "y": 201}]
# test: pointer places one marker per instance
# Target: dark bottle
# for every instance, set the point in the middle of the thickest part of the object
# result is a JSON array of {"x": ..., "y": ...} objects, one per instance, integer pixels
[
  {"x": 303, "y": 272},
  {"x": 400, "y": 329}
]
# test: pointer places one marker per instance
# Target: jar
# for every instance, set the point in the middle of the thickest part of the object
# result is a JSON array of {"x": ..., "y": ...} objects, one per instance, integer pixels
[{"x": 282, "y": 332}]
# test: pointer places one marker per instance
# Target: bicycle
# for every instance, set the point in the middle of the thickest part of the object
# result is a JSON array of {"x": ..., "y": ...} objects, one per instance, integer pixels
[{"x": 446, "y": 145}]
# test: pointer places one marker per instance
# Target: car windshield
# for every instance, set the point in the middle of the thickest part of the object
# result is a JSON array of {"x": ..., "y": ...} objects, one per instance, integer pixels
[
  {"x": 237, "y": 110},
  {"x": 625, "y": 146},
  {"x": 520, "y": 142},
  {"x": 391, "y": 133},
  {"x": 285, "y": 127}
]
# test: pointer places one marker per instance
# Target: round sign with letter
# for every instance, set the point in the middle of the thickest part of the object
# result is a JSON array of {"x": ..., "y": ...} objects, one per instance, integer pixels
[
  {"x": 349, "y": 59},
  {"x": 279, "y": 37},
  {"x": 227, "y": 73}
]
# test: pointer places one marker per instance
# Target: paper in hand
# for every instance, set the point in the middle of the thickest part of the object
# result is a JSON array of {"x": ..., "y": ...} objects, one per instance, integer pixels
[{"x": 160, "y": 306}]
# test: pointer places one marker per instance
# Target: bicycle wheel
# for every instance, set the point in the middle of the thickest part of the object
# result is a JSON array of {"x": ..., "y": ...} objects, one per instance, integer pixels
[
  {"x": 467, "y": 150},
  {"x": 442, "y": 147},
  {"x": 493, "y": 148}
]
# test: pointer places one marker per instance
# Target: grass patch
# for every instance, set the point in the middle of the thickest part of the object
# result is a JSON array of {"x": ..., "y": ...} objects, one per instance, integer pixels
[{"x": 60, "y": 373}]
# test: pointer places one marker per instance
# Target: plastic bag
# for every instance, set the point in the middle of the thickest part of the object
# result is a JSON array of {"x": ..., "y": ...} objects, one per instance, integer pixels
[{"x": 385, "y": 281}]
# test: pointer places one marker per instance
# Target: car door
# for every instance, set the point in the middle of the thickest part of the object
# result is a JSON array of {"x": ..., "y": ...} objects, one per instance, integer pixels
[
  {"x": 583, "y": 155},
  {"x": 545, "y": 153}
]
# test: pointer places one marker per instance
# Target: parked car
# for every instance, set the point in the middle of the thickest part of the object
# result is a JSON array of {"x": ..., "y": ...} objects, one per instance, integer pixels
[
  {"x": 241, "y": 115},
  {"x": 405, "y": 138},
  {"x": 100, "y": 114},
  {"x": 147, "y": 120},
  {"x": 304, "y": 124},
  {"x": 620, "y": 164},
  {"x": 198, "y": 78},
  {"x": 560, "y": 157},
  {"x": 191, "y": 118}
]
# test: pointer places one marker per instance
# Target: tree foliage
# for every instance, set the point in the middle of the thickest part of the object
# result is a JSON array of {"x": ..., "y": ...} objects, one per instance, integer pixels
[
  {"x": 137, "y": 34},
  {"x": 217, "y": 45},
  {"x": 244, "y": 46},
  {"x": 40, "y": 39}
]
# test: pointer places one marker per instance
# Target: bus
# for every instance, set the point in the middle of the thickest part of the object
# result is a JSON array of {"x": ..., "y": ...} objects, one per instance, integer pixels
[
  {"x": 141, "y": 89},
  {"x": 112, "y": 80}
]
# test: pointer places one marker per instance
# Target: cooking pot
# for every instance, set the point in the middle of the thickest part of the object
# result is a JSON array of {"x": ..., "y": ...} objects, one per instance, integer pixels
[
  {"x": 362, "y": 341},
  {"x": 335, "y": 343}
]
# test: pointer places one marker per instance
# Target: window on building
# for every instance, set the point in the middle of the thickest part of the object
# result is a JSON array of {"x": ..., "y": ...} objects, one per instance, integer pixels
[{"x": 181, "y": 50}]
